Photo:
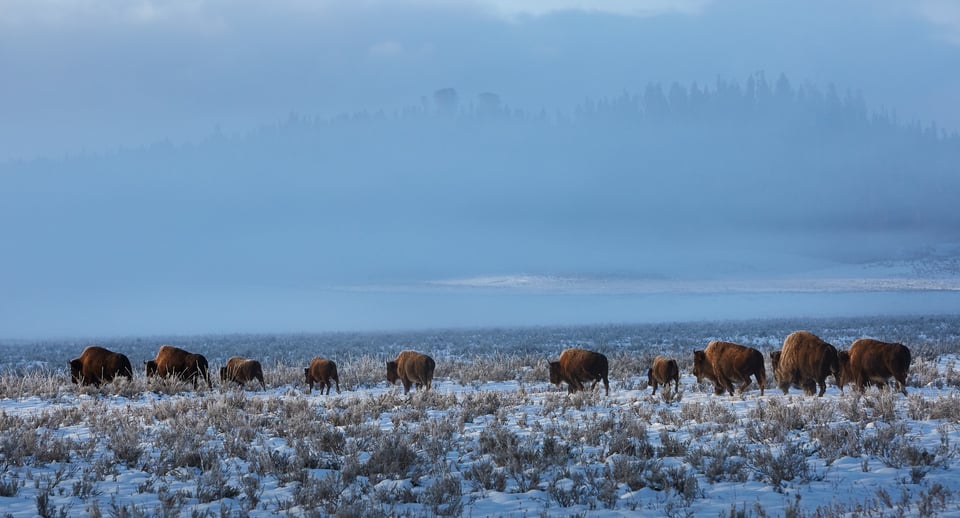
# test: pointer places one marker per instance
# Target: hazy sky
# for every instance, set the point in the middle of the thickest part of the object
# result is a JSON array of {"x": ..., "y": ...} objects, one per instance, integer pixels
[
  {"x": 96, "y": 74},
  {"x": 171, "y": 249}
]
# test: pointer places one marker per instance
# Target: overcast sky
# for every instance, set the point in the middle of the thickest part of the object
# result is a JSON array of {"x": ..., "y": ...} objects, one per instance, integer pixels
[{"x": 98, "y": 74}]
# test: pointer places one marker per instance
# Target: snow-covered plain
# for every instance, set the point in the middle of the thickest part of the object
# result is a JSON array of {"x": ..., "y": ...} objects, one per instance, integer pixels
[{"x": 492, "y": 438}]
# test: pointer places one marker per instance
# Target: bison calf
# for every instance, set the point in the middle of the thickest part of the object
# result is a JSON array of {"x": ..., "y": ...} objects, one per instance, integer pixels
[
  {"x": 411, "y": 368},
  {"x": 242, "y": 370},
  {"x": 876, "y": 362},
  {"x": 173, "y": 361},
  {"x": 97, "y": 365},
  {"x": 664, "y": 371},
  {"x": 805, "y": 361},
  {"x": 726, "y": 363},
  {"x": 321, "y": 372},
  {"x": 576, "y": 366}
]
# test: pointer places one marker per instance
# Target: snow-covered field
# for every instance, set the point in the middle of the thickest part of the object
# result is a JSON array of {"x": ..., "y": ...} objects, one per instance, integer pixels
[{"x": 492, "y": 438}]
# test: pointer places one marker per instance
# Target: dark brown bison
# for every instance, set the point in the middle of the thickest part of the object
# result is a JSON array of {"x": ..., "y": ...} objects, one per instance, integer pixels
[
  {"x": 173, "y": 361},
  {"x": 805, "y": 361},
  {"x": 97, "y": 365},
  {"x": 242, "y": 370},
  {"x": 411, "y": 368},
  {"x": 873, "y": 361},
  {"x": 322, "y": 372},
  {"x": 664, "y": 371},
  {"x": 726, "y": 363},
  {"x": 576, "y": 366}
]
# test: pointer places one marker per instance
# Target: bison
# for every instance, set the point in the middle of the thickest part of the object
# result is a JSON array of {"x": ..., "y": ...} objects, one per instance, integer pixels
[
  {"x": 411, "y": 368},
  {"x": 173, "y": 361},
  {"x": 242, "y": 370},
  {"x": 873, "y": 361},
  {"x": 321, "y": 371},
  {"x": 726, "y": 363},
  {"x": 576, "y": 366},
  {"x": 805, "y": 361},
  {"x": 97, "y": 365},
  {"x": 664, "y": 371}
]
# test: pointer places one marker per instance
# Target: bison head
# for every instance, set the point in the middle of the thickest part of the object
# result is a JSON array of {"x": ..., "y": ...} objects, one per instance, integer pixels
[
  {"x": 555, "y": 373},
  {"x": 650, "y": 379},
  {"x": 223, "y": 374},
  {"x": 699, "y": 364},
  {"x": 76, "y": 368},
  {"x": 392, "y": 375},
  {"x": 151, "y": 368},
  {"x": 844, "y": 376}
]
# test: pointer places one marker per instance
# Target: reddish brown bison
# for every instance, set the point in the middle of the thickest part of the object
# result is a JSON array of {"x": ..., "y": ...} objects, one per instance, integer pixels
[
  {"x": 411, "y": 368},
  {"x": 805, "y": 361},
  {"x": 322, "y": 372},
  {"x": 97, "y": 365},
  {"x": 173, "y": 361},
  {"x": 242, "y": 370},
  {"x": 873, "y": 361},
  {"x": 664, "y": 371},
  {"x": 576, "y": 366},
  {"x": 726, "y": 363}
]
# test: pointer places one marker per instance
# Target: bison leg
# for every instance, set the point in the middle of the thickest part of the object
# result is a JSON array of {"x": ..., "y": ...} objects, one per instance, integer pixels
[
  {"x": 654, "y": 388},
  {"x": 406, "y": 386},
  {"x": 822, "y": 383},
  {"x": 725, "y": 385}
]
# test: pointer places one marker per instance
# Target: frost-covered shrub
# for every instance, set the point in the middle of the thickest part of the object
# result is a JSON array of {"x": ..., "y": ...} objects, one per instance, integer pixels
[
  {"x": 444, "y": 494},
  {"x": 836, "y": 441},
  {"x": 392, "y": 457},
  {"x": 484, "y": 474},
  {"x": 778, "y": 464},
  {"x": 319, "y": 494}
]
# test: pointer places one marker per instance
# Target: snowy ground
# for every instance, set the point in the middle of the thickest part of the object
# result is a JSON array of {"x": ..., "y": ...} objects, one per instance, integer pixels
[{"x": 511, "y": 446}]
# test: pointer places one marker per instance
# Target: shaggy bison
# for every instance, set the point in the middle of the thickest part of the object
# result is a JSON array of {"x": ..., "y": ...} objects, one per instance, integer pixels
[
  {"x": 726, "y": 363},
  {"x": 321, "y": 372},
  {"x": 242, "y": 370},
  {"x": 97, "y": 365},
  {"x": 576, "y": 366},
  {"x": 664, "y": 371},
  {"x": 173, "y": 361},
  {"x": 411, "y": 368},
  {"x": 873, "y": 361},
  {"x": 805, "y": 361}
]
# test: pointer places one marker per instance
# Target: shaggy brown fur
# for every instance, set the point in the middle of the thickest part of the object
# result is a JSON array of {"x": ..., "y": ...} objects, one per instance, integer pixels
[
  {"x": 726, "y": 363},
  {"x": 97, "y": 365},
  {"x": 664, "y": 371},
  {"x": 321, "y": 372},
  {"x": 873, "y": 361},
  {"x": 242, "y": 370},
  {"x": 805, "y": 361},
  {"x": 411, "y": 368},
  {"x": 576, "y": 366},
  {"x": 173, "y": 361}
]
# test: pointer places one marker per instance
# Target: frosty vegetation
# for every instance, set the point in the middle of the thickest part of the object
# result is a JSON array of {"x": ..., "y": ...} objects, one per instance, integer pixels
[{"x": 492, "y": 437}]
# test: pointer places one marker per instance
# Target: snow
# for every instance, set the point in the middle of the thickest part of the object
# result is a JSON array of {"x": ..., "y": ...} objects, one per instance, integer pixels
[{"x": 876, "y": 477}]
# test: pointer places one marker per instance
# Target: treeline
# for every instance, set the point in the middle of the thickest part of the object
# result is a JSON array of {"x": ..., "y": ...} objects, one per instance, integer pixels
[
  {"x": 466, "y": 181},
  {"x": 726, "y": 102}
]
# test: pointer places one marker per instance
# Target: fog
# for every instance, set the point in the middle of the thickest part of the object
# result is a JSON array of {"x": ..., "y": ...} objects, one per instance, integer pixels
[{"x": 190, "y": 167}]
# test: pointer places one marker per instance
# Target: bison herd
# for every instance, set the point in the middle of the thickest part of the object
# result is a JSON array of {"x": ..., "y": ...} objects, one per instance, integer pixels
[{"x": 805, "y": 361}]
